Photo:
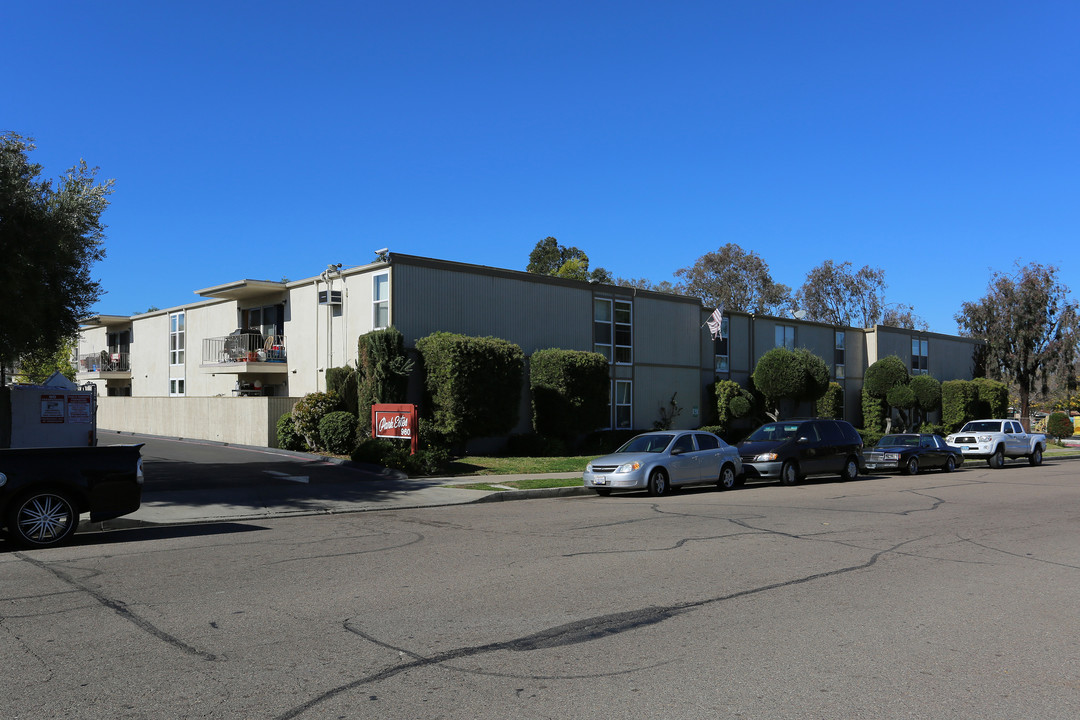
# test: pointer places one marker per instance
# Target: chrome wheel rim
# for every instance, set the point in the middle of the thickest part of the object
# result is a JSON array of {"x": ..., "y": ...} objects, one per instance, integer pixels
[{"x": 44, "y": 518}]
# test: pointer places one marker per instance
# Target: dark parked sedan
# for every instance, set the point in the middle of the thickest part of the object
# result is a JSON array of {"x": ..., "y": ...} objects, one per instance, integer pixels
[{"x": 911, "y": 452}]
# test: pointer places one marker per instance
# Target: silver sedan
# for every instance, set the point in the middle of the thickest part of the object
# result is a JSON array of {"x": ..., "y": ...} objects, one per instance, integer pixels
[{"x": 660, "y": 461}]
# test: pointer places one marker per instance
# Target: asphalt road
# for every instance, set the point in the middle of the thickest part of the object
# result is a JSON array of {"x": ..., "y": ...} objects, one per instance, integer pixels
[{"x": 934, "y": 596}]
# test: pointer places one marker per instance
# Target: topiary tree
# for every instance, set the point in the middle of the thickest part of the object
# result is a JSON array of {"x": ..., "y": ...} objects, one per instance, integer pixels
[
  {"x": 308, "y": 411},
  {"x": 1059, "y": 425},
  {"x": 902, "y": 399},
  {"x": 796, "y": 375},
  {"x": 569, "y": 392},
  {"x": 474, "y": 384},
  {"x": 733, "y": 401},
  {"x": 831, "y": 404},
  {"x": 927, "y": 392},
  {"x": 873, "y": 412},
  {"x": 382, "y": 372},
  {"x": 883, "y": 376}
]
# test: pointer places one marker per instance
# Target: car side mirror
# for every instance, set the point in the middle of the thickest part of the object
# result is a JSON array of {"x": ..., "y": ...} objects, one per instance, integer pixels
[
  {"x": 677, "y": 451},
  {"x": 803, "y": 439}
]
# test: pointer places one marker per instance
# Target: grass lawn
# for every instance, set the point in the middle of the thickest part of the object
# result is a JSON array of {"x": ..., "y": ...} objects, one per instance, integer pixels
[
  {"x": 528, "y": 484},
  {"x": 478, "y": 465}
]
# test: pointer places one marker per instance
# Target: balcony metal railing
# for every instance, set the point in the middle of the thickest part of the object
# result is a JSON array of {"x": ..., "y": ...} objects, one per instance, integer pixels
[
  {"x": 244, "y": 347},
  {"x": 103, "y": 361}
]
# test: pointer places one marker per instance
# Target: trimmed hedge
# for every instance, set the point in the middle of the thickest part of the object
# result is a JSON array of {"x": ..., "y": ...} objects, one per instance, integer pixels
[
  {"x": 474, "y": 384},
  {"x": 959, "y": 403},
  {"x": 308, "y": 411},
  {"x": 831, "y": 404},
  {"x": 337, "y": 431},
  {"x": 1059, "y": 425},
  {"x": 569, "y": 392},
  {"x": 382, "y": 372},
  {"x": 287, "y": 437},
  {"x": 993, "y": 398}
]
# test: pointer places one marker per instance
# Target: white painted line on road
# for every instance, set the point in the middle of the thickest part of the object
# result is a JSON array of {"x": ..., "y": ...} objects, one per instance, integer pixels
[{"x": 286, "y": 476}]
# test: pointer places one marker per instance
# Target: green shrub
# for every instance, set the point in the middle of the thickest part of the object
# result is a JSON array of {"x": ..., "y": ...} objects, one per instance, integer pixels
[
  {"x": 569, "y": 392},
  {"x": 992, "y": 398},
  {"x": 927, "y": 390},
  {"x": 308, "y": 412},
  {"x": 287, "y": 437},
  {"x": 873, "y": 411},
  {"x": 870, "y": 437},
  {"x": 796, "y": 375},
  {"x": 733, "y": 401},
  {"x": 342, "y": 382},
  {"x": 474, "y": 383},
  {"x": 337, "y": 432},
  {"x": 959, "y": 403},
  {"x": 395, "y": 454},
  {"x": 831, "y": 404},
  {"x": 382, "y": 371},
  {"x": 1059, "y": 425}
]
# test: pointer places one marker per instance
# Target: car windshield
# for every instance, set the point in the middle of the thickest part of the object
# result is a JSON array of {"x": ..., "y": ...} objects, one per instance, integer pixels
[
  {"x": 982, "y": 427},
  {"x": 774, "y": 431},
  {"x": 899, "y": 440},
  {"x": 647, "y": 443}
]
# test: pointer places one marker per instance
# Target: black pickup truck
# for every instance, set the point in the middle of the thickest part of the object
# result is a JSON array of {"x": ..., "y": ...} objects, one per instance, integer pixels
[{"x": 44, "y": 490}]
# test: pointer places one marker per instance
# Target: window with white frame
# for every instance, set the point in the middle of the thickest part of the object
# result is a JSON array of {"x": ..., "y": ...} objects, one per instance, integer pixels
[
  {"x": 624, "y": 400},
  {"x": 380, "y": 297},
  {"x": 720, "y": 349},
  {"x": 176, "y": 339},
  {"x": 920, "y": 356},
  {"x": 613, "y": 330},
  {"x": 839, "y": 356},
  {"x": 176, "y": 387},
  {"x": 785, "y": 336}
]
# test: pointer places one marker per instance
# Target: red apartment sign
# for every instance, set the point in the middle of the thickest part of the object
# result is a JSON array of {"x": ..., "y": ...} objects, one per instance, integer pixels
[{"x": 396, "y": 421}]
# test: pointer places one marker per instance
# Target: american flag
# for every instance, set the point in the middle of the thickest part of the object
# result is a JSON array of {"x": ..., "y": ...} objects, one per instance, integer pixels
[{"x": 714, "y": 322}]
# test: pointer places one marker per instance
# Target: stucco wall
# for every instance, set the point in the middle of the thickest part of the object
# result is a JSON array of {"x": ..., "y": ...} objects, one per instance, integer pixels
[{"x": 237, "y": 420}]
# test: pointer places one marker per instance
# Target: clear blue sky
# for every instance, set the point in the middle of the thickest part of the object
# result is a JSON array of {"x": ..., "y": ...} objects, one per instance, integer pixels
[{"x": 937, "y": 140}]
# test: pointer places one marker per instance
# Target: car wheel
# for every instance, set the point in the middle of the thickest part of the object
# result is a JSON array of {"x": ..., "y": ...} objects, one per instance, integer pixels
[
  {"x": 658, "y": 483},
  {"x": 997, "y": 460},
  {"x": 1035, "y": 458},
  {"x": 789, "y": 474},
  {"x": 727, "y": 478},
  {"x": 42, "y": 519},
  {"x": 602, "y": 492},
  {"x": 851, "y": 469},
  {"x": 950, "y": 464},
  {"x": 912, "y": 467}
]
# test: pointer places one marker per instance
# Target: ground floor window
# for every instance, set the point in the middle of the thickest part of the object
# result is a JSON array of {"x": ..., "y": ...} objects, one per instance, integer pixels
[
  {"x": 624, "y": 408},
  {"x": 176, "y": 386}
]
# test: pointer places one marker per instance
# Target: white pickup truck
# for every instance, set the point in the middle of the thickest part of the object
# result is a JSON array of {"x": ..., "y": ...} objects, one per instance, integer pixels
[{"x": 996, "y": 440}]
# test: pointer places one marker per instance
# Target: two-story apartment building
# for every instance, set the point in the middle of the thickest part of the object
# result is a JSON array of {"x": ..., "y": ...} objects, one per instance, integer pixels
[{"x": 227, "y": 365}]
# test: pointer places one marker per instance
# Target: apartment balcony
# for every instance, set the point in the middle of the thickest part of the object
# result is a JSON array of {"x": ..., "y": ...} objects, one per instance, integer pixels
[
  {"x": 245, "y": 352},
  {"x": 103, "y": 365}
]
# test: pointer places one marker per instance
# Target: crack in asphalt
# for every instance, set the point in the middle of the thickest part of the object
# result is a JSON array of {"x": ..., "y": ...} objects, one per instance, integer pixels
[
  {"x": 1017, "y": 555},
  {"x": 580, "y": 631},
  {"x": 120, "y": 609}
]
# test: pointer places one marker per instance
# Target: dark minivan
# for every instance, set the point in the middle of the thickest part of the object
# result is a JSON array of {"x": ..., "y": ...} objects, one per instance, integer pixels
[{"x": 790, "y": 450}]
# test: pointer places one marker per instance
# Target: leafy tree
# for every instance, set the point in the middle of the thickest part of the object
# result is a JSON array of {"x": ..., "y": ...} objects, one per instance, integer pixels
[
  {"x": 834, "y": 294},
  {"x": 664, "y": 286},
  {"x": 49, "y": 238},
  {"x": 551, "y": 258},
  {"x": 1030, "y": 326},
  {"x": 881, "y": 378},
  {"x": 734, "y": 279},
  {"x": 796, "y": 375},
  {"x": 569, "y": 392},
  {"x": 733, "y": 401},
  {"x": 38, "y": 366}
]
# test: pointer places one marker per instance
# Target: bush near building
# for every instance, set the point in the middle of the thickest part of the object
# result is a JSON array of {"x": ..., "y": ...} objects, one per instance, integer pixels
[
  {"x": 1059, "y": 425},
  {"x": 337, "y": 432},
  {"x": 831, "y": 404},
  {"x": 959, "y": 403},
  {"x": 569, "y": 392},
  {"x": 795, "y": 375},
  {"x": 287, "y": 437},
  {"x": 992, "y": 398},
  {"x": 474, "y": 384},
  {"x": 308, "y": 411},
  {"x": 382, "y": 372}
]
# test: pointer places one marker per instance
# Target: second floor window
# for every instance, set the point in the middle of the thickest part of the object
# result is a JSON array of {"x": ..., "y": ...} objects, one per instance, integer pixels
[
  {"x": 839, "y": 356},
  {"x": 176, "y": 338},
  {"x": 920, "y": 356},
  {"x": 613, "y": 330},
  {"x": 785, "y": 336},
  {"x": 380, "y": 297},
  {"x": 720, "y": 349}
]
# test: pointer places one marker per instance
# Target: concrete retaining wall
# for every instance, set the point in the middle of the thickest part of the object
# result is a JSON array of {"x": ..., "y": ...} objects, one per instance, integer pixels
[{"x": 238, "y": 420}]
